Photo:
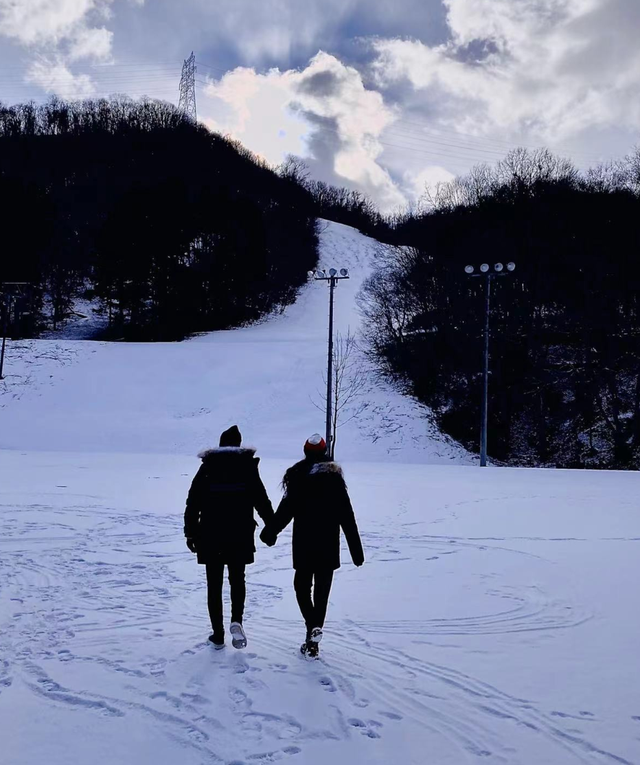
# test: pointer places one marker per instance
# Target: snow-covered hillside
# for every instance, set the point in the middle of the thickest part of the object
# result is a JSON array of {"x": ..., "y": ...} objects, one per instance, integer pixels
[
  {"x": 495, "y": 619},
  {"x": 175, "y": 397}
]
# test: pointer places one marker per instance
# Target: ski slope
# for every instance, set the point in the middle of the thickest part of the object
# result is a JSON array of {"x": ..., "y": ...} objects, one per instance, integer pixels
[
  {"x": 494, "y": 621},
  {"x": 176, "y": 397}
]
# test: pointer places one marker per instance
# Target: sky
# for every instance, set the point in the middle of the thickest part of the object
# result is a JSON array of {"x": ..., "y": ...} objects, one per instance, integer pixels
[{"x": 378, "y": 95}]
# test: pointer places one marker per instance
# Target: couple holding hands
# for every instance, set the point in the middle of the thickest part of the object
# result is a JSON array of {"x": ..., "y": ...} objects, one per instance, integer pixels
[{"x": 219, "y": 526}]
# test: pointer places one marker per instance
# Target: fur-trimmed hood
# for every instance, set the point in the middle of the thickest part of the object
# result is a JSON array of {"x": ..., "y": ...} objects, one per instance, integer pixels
[
  {"x": 305, "y": 468},
  {"x": 321, "y": 468},
  {"x": 246, "y": 451}
]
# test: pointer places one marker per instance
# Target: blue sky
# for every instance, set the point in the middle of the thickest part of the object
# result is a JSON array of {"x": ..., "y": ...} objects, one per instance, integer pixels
[{"x": 380, "y": 95}]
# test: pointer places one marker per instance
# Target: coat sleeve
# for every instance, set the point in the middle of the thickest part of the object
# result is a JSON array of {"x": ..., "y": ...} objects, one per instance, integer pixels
[
  {"x": 350, "y": 528},
  {"x": 194, "y": 504},
  {"x": 279, "y": 522},
  {"x": 261, "y": 500}
]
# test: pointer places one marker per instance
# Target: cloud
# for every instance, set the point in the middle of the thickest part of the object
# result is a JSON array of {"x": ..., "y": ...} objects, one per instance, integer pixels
[
  {"x": 93, "y": 43},
  {"x": 323, "y": 112},
  {"x": 58, "y": 33},
  {"x": 416, "y": 183},
  {"x": 57, "y": 78},
  {"x": 288, "y": 32},
  {"x": 545, "y": 68},
  {"x": 38, "y": 22}
]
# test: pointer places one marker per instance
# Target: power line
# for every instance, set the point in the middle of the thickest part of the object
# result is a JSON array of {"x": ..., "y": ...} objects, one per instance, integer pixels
[
  {"x": 215, "y": 68},
  {"x": 495, "y": 142}
]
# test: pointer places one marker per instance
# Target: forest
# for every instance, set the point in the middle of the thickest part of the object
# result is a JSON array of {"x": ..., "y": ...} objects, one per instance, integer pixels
[
  {"x": 173, "y": 229},
  {"x": 564, "y": 384}
]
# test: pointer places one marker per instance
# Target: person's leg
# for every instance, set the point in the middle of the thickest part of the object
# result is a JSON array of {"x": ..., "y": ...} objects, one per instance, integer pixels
[
  {"x": 238, "y": 590},
  {"x": 302, "y": 585},
  {"x": 322, "y": 582},
  {"x": 215, "y": 572}
]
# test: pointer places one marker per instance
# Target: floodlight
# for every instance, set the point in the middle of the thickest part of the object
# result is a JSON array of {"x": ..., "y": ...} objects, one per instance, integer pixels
[
  {"x": 469, "y": 269},
  {"x": 498, "y": 267},
  {"x": 344, "y": 272},
  {"x": 333, "y": 272},
  {"x": 511, "y": 266},
  {"x": 484, "y": 268}
]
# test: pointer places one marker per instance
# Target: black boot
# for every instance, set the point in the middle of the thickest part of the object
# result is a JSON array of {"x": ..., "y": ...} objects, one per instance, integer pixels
[
  {"x": 310, "y": 649},
  {"x": 217, "y": 638}
]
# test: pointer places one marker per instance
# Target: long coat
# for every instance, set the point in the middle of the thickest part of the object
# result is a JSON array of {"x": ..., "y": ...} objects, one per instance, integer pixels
[
  {"x": 317, "y": 501},
  {"x": 219, "y": 513}
]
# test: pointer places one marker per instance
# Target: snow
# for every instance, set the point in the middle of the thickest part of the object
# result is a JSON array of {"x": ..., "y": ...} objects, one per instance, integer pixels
[
  {"x": 495, "y": 619},
  {"x": 176, "y": 397}
]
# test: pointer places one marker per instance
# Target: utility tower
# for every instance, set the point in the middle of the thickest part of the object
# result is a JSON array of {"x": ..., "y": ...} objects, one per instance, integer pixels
[{"x": 187, "y": 102}]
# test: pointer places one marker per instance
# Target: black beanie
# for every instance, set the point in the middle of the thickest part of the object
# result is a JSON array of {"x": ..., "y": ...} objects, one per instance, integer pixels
[{"x": 231, "y": 437}]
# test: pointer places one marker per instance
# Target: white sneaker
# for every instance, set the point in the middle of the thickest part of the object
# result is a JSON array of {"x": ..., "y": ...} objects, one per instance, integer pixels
[
  {"x": 238, "y": 636},
  {"x": 316, "y": 635}
]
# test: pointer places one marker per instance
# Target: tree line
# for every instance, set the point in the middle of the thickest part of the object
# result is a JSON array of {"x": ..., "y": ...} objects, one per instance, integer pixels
[
  {"x": 173, "y": 229},
  {"x": 565, "y": 326}
]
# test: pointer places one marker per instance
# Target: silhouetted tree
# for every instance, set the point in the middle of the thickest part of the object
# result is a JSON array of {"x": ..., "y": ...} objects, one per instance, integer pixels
[{"x": 565, "y": 349}]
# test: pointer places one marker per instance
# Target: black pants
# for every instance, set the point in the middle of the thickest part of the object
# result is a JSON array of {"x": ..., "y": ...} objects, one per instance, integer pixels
[
  {"x": 215, "y": 578},
  {"x": 313, "y": 607}
]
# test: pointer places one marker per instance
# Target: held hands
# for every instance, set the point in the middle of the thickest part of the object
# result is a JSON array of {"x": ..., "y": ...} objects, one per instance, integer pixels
[
  {"x": 267, "y": 537},
  {"x": 191, "y": 544}
]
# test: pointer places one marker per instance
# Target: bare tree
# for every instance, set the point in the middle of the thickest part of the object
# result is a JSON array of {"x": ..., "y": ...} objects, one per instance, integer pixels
[{"x": 350, "y": 382}]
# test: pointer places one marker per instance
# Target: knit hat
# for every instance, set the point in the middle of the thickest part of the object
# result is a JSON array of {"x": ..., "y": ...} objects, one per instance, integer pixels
[
  {"x": 231, "y": 437},
  {"x": 315, "y": 446}
]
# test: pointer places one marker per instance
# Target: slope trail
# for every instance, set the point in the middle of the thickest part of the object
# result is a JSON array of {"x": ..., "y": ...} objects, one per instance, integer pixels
[{"x": 176, "y": 397}]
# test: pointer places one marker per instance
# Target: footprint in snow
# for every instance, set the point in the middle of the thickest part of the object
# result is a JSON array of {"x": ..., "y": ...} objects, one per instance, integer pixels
[
  {"x": 274, "y": 756},
  {"x": 391, "y": 715},
  {"x": 367, "y": 729},
  {"x": 195, "y": 698},
  {"x": 328, "y": 684},
  {"x": 238, "y": 696},
  {"x": 275, "y": 725}
]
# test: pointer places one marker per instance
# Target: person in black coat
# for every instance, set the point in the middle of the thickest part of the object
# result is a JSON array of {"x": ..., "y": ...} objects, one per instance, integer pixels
[
  {"x": 317, "y": 501},
  {"x": 219, "y": 525}
]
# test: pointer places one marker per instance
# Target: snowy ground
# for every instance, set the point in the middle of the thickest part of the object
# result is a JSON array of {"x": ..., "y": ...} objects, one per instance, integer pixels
[{"x": 496, "y": 618}]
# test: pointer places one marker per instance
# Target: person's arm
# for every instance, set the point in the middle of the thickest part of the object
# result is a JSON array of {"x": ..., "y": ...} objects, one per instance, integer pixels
[
  {"x": 279, "y": 522},
  {"x": 350, "y": 528},
  {"x": 261, "y": 500},
  {"x": 192, "y": 510}
]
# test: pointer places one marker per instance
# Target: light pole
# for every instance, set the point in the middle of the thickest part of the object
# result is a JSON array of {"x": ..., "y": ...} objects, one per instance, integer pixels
[
  {"x": 10, "y": 290},
  {"x": 332, "y": 277},
  {"x": 6, "y": 310},
  {"x": 489, "y": 275}
]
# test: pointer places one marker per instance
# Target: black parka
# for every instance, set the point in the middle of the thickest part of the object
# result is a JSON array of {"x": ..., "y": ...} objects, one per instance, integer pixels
[
  {"x": 219, "y": 513},
  {"x": 317, "y": 501}
]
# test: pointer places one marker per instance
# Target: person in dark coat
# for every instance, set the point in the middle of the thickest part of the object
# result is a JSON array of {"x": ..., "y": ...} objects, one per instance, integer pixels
[
  {"x": 219, "y": 526},
  {"x": 317, "y": 501}
]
